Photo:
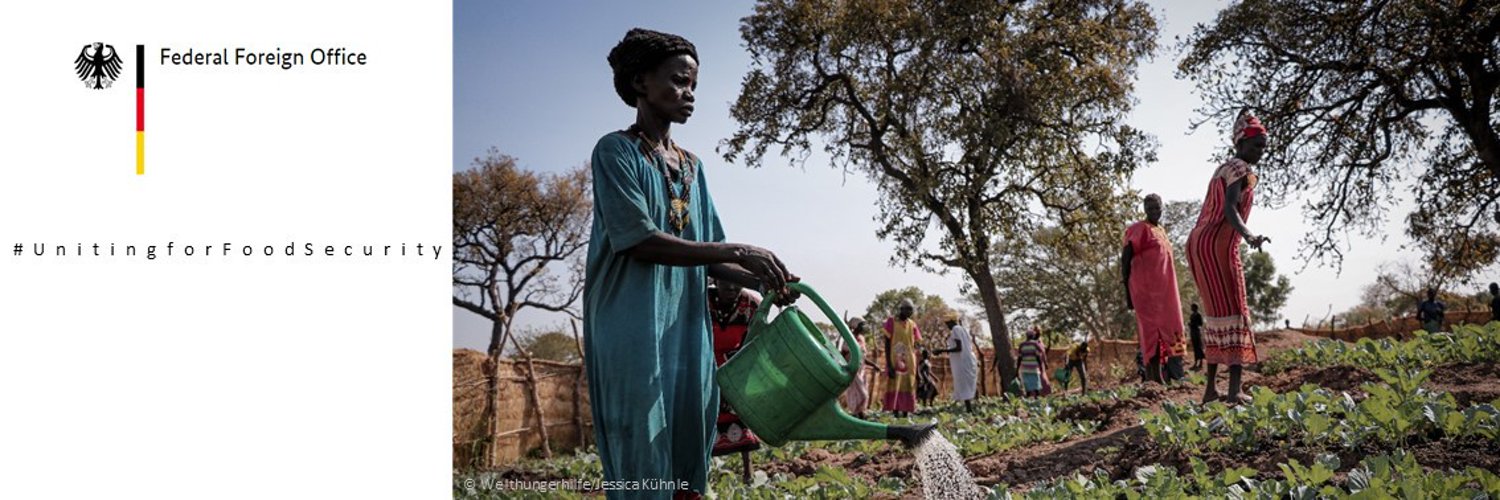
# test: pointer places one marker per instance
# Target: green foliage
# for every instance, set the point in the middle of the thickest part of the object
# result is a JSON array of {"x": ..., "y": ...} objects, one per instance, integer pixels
[
  {"x": 582, "y": 465},
  {"x": 1396, "y": 412},
  {"x": 553, "y": 345},
  {"x": 825, "y": 482},
  {"x": 996, "y": 425},
  {"x": 988, "y": 436},
  {"x": 1397, "y": 475},
  {"x": 1178, "y": 218},
  {"x": 930, "y": 311},
  {"x": 725, "y": 481},
  {"x": 1003, "y": 424},
  {"x": 1265, "y": 292},
  {"x": 985, "y": 120},
  {"x": 1066, "y": 277},
  {"x": 1466, "y": 344}
]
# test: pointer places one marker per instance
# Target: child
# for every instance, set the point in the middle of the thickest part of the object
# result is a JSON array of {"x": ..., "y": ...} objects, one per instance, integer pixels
[{"x": 926, "y": 382}]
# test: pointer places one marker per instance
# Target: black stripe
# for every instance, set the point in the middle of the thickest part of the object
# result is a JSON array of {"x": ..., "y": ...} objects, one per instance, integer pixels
[{"x": 140, "y": 66}]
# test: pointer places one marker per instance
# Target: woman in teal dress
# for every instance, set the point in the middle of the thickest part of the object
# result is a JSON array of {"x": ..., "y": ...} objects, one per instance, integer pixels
[{"x": 655, "y": 240}]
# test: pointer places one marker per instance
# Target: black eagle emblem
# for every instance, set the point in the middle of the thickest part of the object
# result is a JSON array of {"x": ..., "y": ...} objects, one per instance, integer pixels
[{"x": 98, "y": 65}]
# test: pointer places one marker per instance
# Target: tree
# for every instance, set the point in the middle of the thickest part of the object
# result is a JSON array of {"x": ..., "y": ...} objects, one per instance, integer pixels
[
  {"x": 1360, "y": 96},
  {"x": 1179, "y": 218},
  {"x": 1396, "y": 291},
  {"x": 511, "y": 229},
  {"x": 1401, "y": 286},
  {"x": 985, "y": 118},
  {"x": 553, "y": 345},
  {"x": 1066, "y": 278},
  {"x": 1265, "y": 292}
]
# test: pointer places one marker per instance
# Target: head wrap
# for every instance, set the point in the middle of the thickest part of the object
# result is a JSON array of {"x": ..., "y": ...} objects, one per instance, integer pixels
[
  {"x": 951, "y": 316},
  {"x": 642, "y": 50},
  {"x": 1247, "y": 126},
  {"x": 1034, "y": 333},
  {"x": 906, "y": 303},
  {"x": 855, "y": 322}
]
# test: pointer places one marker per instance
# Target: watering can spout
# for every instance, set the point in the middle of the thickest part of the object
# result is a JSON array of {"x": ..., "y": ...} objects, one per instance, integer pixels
[
  {"x": 829, "y": 422},
  {"x": 910, "y": 435}
]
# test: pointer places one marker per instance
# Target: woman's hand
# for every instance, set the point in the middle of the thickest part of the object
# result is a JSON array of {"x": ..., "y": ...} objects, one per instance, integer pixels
[
  {"x": 769, "y": 270},
  {"x": 763, "y": 264},
  {"x": 787, "y": 295},
  {"x": 1256, "y": 241}
]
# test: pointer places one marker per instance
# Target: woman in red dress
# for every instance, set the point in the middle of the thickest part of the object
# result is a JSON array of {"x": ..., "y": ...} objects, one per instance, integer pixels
[
  {"x": 1214, "y": 256},
  {"x": 1151, "y": 290}
]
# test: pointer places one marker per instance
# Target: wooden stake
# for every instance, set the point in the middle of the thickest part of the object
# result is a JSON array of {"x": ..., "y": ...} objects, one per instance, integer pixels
[
  {"x": 583, "y": 440},
  {"x": 536, "y": 398},
  {"x": 745, "y": 459}
]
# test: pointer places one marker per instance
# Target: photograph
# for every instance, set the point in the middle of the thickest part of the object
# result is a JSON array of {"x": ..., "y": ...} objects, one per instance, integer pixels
[{"x": 958, "y": 249}]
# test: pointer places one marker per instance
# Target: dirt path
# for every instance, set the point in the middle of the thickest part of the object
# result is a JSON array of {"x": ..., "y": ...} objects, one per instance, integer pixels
[{"x": 1267, "y": 344}]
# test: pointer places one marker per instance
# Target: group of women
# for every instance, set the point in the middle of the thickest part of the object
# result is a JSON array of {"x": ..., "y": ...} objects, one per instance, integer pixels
[
  {"x": 656, "y": 239},
  {"x": 906, "y": 367}
]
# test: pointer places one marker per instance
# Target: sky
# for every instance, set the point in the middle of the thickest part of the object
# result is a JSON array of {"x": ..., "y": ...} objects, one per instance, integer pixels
[{"x": 530, "y": 79}]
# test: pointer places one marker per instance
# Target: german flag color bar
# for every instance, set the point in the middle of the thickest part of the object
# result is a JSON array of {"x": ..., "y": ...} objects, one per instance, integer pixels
[{"x": 140, "y": 110}]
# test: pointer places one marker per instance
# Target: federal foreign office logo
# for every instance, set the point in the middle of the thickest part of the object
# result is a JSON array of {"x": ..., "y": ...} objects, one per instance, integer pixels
[{"x": 98, "y": 65}]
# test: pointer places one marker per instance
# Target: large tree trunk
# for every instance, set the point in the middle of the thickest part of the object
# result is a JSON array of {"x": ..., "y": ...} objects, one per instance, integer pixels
[
  {"x": 491, "y": 389},
  {"x": 1005, "y": 365}
]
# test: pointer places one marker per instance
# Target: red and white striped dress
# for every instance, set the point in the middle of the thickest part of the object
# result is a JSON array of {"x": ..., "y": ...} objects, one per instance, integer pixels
[{"x": 1214, "y": 256}]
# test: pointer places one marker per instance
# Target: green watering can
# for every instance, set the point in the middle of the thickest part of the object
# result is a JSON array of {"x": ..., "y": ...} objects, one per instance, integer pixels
[{"x": 786, "y": 379}]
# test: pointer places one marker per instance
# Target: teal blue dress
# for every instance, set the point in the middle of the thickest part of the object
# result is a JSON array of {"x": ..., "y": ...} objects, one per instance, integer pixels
[{"x": 648, "y": 350}]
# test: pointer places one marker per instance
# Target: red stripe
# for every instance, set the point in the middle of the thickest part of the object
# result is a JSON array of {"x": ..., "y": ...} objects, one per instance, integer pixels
[{"x": 140, "y": 109}]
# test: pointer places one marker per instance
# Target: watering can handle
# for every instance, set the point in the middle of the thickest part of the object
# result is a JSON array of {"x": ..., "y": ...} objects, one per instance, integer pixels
[{"x": 854, "y": 363}]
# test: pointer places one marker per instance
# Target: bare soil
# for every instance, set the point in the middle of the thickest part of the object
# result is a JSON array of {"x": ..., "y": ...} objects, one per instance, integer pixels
[{"x": 1469, "y": 383}]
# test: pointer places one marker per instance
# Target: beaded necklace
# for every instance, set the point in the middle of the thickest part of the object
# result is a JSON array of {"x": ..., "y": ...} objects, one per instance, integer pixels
[{"x": 679, "y": 193}]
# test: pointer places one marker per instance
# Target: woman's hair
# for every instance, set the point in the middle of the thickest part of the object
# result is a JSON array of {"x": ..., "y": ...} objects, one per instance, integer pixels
[{"x": 642, "y": 50}]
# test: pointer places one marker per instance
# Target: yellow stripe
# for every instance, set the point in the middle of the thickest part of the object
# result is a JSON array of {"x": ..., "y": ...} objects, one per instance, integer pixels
[{"x": 140, "y": 152}]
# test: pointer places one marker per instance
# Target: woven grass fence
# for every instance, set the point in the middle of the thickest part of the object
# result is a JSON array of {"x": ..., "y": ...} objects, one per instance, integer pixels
[
  {"x": 541, "y": 407},
  {"x": 1398, "y": 328}
]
